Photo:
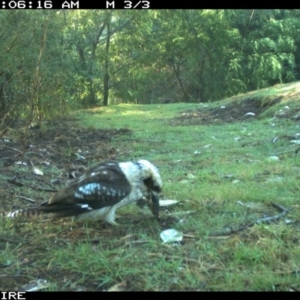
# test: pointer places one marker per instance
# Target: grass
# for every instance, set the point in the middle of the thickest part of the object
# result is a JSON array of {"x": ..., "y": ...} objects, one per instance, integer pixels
[{"x": 209, "y": 168}]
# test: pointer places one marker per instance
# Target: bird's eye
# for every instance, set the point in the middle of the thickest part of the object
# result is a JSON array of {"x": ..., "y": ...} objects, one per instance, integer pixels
[
  {"x": 152, "y": 185},
  {"x": 156, "y": 188}
]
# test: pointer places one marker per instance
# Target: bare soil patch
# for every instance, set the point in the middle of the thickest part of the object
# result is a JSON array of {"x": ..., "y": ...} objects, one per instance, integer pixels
[
  {"x": 234, "y": 111},
  {"x": 62, "y": 146}
]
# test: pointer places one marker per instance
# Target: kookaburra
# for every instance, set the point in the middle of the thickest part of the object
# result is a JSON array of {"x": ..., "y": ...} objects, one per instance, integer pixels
[{"x": 101, "y": 190}]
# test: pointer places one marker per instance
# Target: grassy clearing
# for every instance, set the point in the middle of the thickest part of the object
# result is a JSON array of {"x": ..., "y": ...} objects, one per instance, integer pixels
[{"x": 210, "y": 169}]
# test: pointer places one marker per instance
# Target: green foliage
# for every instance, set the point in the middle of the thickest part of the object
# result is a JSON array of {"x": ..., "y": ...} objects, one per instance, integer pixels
[
  {"x": 90, "y": 57},
  {"x": 206, "y": 54},
  {"x": 268, "y": 48}
]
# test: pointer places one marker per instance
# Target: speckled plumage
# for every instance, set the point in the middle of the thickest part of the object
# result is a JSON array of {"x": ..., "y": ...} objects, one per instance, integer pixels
[{"x": 103, "y": 189}]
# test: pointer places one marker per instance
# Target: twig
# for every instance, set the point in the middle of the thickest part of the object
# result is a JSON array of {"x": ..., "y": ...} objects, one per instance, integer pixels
[
  {"x": 13, "y": 149},
  {"x": 25, "y": 198},
  {"x": 123, "y": 152},
  {"x": 284, "y": 211},
  {"x": 12, "y": 240},
  {"x": 13, "y": 181},
  {"x": 296, "y": 272}
]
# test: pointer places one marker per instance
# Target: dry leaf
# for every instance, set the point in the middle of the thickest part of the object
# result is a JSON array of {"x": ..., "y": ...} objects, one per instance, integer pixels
[
  {"x": 171, "y": 235},
  {"x": 119, "y": 287},
  {"x": 23, "y": 163},
  {"x": 167, "y": 202},
  {"x": 37, "y": 171}
]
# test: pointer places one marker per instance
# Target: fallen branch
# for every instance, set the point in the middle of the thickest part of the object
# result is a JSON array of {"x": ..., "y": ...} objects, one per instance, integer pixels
[
  {"x": 284, "y": 211},
  {"x": 230, "y": 231}
]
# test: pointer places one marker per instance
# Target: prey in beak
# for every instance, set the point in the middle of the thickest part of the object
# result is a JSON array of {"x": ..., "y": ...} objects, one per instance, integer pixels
[{"x": 152, "y": 202}]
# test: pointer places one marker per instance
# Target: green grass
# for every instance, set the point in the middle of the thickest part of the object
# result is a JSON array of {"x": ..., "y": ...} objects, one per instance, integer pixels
[{"x": 230, "y": 165}]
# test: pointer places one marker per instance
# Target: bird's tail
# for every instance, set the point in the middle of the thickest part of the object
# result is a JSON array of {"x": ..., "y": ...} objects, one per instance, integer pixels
[
  {"x": 29, "y": 213},
  {"x": 56, "y": 211}
]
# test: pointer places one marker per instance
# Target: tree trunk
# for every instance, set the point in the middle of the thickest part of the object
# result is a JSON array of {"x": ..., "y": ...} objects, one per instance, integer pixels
[{"x": 106, "y": 64}]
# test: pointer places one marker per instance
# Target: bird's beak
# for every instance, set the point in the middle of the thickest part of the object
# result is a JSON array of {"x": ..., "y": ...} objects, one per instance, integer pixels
[{"x": 153, "y": 204}]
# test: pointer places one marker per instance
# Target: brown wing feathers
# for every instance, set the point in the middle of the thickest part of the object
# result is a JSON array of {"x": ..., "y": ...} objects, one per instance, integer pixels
[
  {"x": 93, "y": 190},
  {"x": 109, "y": 184}
]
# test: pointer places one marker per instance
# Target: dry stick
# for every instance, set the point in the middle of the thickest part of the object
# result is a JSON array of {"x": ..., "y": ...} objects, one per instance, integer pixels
[
  {"x": 284, "y": 211},
  {"x": 13, "y": 149},
  {"x": 123, "y": 152},
  {"x": 25, "y": 198},
  {"x": 2, "y": 238},
  {"x": 13, "y": 181}
]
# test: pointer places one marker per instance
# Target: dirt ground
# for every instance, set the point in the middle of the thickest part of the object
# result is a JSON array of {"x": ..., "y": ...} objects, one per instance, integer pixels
[
  {"x": 61, "y": 145},
  {"x": 246, "y": 110},
  {"x": 62, "y": 152}
]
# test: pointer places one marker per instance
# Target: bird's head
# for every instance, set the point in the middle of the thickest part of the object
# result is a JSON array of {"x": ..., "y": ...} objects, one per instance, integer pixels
[{"x": 153, "y": 182}]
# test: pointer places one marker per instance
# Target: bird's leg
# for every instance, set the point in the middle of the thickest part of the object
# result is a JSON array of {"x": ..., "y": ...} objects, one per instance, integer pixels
[
  {"x": 110, "y": 217},
  {"x": 113, "y": 223}
]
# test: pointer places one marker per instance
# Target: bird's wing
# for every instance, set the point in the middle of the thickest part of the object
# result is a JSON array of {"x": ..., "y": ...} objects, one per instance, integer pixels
[{"x": 101, "y": 186}]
